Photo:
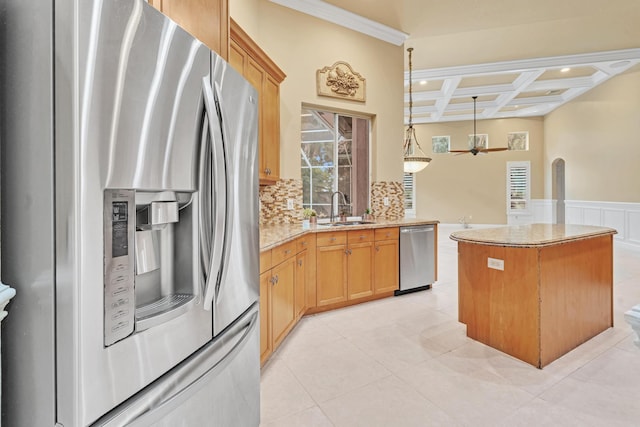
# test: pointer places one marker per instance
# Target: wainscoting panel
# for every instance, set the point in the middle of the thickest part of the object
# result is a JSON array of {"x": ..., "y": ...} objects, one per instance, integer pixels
[
  {"x": 624, "y": 217},
  {"x": 633, "y": 226}
]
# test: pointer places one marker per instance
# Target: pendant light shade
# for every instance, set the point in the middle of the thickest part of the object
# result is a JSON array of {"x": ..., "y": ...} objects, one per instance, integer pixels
[{"x": 414, "y": 158}]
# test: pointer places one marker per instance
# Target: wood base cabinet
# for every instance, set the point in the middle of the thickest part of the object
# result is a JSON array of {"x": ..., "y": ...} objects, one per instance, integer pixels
[
  {"x": 283, "y": 316},
  {"x": 284, "y": 272},
  {"x": 386, "y": 261},
  {"x": 360, "y": 264},
  {"x": 344, "y": 266}
]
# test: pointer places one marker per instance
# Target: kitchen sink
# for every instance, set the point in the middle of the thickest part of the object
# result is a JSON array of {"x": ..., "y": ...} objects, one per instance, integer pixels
[{"x": 338, "y": 223}]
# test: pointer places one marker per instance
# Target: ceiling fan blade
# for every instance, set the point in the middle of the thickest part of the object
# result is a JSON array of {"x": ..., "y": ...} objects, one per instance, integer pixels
[
  {"x": 487, "y": 150},
  {"x": 458, "y": 151}
]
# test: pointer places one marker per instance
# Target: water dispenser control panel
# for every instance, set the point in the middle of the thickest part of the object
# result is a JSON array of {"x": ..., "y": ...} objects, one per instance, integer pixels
[{"x": 119, "y": 235}]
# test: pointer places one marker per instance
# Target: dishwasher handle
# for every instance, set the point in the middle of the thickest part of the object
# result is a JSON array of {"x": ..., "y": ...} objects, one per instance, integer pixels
[{"x": 418, "y": 229}]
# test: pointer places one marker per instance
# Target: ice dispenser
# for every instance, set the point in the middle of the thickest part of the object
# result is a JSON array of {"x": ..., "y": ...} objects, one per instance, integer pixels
[{"x": 150, "y": 259}]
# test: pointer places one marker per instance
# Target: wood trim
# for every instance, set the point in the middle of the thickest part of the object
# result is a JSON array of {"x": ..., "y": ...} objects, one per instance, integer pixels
[
  {"x": 333, "y": 306},
  {"x": 238, "y": 35}
]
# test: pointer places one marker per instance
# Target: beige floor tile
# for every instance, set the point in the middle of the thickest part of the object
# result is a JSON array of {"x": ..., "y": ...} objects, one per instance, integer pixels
[
  {"x": 470, "y": 395},
  {"x": 394, "y": 350},
  {"x": 312, "y": 417},
  {"x": 385, "y": 402},
  {"x": 334, "y": 369},
  {"x": 281, "y": 394},
  {"x": 511, "y": 370},
  {"x": 541, "y": 413},
  {"x": 604, "y": 405},
  {"x": 309, "y": 333}
]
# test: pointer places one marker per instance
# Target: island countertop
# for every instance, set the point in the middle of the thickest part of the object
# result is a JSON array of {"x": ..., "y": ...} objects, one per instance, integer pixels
[
  {"x": 276, "y": 234},
  {"x": 530, "y": 235}
]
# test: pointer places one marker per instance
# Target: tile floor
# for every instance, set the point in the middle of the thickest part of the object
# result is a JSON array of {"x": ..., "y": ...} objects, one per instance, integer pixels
[{"x": 406, "y": 361}]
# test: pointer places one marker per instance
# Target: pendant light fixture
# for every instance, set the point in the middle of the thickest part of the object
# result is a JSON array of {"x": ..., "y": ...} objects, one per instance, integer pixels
[{"x": 414, "y": 158}]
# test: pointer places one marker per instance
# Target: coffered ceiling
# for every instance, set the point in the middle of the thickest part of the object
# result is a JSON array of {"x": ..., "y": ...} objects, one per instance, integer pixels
[
  {"x": 538, "y": 37},
  {"x": 532, "y": 87}
]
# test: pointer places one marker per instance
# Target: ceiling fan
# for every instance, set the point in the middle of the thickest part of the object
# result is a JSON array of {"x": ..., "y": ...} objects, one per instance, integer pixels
[{"x": 476, "y": 148}]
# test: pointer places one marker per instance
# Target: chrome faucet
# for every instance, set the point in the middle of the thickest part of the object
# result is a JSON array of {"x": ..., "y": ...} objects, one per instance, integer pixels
[{"x": 344, "y": 203}]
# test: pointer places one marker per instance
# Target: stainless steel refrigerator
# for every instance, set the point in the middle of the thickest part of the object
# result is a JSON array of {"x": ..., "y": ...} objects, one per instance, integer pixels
[{"x": 128, "y": 219}]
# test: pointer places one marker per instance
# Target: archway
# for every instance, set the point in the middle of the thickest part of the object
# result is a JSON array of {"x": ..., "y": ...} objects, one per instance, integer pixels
[{"x": 558, "y": 188}]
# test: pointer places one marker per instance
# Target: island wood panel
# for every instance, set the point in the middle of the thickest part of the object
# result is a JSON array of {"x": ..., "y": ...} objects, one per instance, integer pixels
[
  {"x": 576, "y": 294},
  {"x": 547, "y": 301},
  {"x": 500, "y": 308}
]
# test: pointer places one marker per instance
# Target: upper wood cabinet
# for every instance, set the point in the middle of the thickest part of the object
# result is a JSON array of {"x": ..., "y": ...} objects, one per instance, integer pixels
[
  {"x": 251, "y": 61},
  {"x": 207, "y": 20}
]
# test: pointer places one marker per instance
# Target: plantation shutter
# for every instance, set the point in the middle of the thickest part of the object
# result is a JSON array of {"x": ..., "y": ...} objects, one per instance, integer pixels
[
  {"x": 518, "y": 187},
  {"x": 409, "y": 193}
]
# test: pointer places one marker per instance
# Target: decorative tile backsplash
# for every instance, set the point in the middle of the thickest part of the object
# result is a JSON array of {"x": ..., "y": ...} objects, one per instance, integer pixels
[
  {"x": 273, "y": 202},
  {"x": 394, "y": 191},
  {"x": 274, "y": 198}
]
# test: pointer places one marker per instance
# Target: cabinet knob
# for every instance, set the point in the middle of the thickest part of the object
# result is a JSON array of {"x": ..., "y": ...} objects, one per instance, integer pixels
[
  {"x": 286, "y": 251},
  {"x": 332, "y": 239},
  {"x": 377, "y": 248},
  {"x": 304, "y": 243},
  {"x": 362, "y": 237},
  {"x": 300, "y": 262}
]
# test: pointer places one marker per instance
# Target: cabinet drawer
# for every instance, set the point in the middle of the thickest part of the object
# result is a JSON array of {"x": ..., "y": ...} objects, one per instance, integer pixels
[
  {"x": 282, "y": 252},
  {"x": 305, "y": 242},
  {"x": 265, "y": 261},
  {"x": 332, "y": 238},
  {"x": 356, "y": 236},
  {"x": 391, "y": 233}
]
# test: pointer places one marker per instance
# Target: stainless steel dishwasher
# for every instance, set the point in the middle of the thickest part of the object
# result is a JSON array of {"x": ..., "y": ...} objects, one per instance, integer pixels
[{"x": 417, "y": 258}]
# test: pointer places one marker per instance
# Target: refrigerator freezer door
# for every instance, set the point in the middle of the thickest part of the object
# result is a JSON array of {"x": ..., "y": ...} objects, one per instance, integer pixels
[{"x": 217, "y": 386}]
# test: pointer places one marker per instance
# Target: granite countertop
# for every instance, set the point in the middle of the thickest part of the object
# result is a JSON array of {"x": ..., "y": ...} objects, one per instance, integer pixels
[
  {"x": 531, "y": 235},
  {"x": 277, "y": 234}
]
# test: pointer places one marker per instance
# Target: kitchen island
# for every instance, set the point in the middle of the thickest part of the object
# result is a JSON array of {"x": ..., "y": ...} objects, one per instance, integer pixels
[{"x": 535, "y": 291}]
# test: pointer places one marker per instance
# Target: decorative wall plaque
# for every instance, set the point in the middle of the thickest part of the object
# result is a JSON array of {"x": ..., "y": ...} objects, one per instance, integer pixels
[{"x": 340, "y": 81}]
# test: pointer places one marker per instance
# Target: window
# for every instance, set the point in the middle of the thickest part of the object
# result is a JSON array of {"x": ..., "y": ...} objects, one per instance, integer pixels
[
  {"x": 518, "y": 187},
  {"x": 409, "y": 182},
  {"x": 334, "y": 157}
]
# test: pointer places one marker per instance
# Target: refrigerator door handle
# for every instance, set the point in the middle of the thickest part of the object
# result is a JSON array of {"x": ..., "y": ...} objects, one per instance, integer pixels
[
  {"x": 213, "y": 185},
  {"x": 228, "y": 224}
]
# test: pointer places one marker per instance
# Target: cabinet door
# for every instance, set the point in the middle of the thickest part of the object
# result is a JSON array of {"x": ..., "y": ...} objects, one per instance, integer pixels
[
  {"x": 386, "y": 266},
  {"x": 237, "y": 57},
  {"x": 301, "y": 283},
  {"x": 331, "y": 274},
  {"x": 282, "y": 299},
  {"x": 265, "y": 326},
  {"x": 270, "y": 141},
  {"x": 206, "y": 20},
  {"x": 360, "y": 270}
]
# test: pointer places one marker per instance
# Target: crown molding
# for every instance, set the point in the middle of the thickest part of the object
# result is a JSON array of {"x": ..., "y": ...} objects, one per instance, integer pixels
[{"x": 344, "y": 18}]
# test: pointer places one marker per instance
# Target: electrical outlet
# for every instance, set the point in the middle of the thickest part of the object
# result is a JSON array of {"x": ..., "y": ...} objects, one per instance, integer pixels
[
  {"x": 385, "y": 201},
  {"x": 290, "y": 204}
]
